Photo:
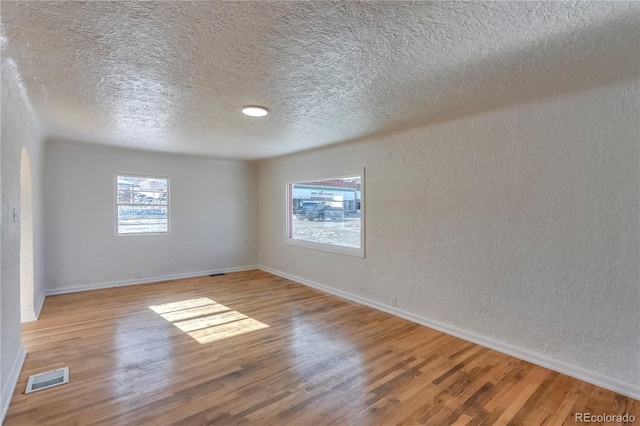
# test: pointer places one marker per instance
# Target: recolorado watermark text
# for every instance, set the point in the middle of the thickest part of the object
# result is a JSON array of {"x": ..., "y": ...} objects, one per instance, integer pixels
[{"x": 604, "y": 418}]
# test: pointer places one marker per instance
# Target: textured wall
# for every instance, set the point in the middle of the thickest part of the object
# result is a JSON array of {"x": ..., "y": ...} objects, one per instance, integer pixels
[
  {"x": 27, "y": 292},
  {"x": 213, "y": 216},
  {"x": 19, "y": 129},
  {"x": 520, "y": 225}
]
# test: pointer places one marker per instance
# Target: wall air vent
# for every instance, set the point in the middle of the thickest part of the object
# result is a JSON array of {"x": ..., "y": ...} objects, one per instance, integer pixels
[{"x": 47, "y": 380}]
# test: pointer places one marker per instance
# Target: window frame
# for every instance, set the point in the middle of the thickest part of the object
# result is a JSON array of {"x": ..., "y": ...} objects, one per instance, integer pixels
[
  {"x": 144, "y": 176},
  {"x": 320, "y": 176}
]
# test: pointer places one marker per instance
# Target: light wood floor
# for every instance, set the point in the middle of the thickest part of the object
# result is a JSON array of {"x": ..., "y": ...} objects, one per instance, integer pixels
[{"x": 253, "y": 348}]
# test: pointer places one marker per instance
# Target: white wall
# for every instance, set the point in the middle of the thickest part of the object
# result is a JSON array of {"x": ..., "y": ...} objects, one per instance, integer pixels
[
  {"x": 518, "y": 225},
  {"x": 19, "y": 129},
  {"x": 213, "y": 215}
]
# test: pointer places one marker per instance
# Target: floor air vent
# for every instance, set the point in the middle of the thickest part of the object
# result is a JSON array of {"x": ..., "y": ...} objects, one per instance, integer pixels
[{"x": 47, "y": 380}]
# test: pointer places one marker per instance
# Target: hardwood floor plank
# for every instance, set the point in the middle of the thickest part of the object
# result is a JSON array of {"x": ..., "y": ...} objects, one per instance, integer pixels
[{"x": 253, "y": 348}]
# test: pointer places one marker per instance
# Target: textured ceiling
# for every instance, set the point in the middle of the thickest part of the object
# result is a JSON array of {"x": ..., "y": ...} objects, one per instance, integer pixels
[{"x": 173, "y": 76}]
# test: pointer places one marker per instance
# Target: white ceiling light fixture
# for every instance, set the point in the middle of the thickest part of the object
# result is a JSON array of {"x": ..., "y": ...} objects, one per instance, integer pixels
[{"x": 255, "y": 111}]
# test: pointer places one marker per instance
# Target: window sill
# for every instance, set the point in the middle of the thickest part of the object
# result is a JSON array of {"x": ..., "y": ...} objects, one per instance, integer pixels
[
  {"x": 133, "y": 234},
  {"x": 331, "y": 248}
]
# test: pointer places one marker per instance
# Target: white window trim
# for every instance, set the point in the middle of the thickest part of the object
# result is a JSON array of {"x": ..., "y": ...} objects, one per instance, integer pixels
[
  {"x": 140, "y": 175},
  {"x": 326, "y": 175}
]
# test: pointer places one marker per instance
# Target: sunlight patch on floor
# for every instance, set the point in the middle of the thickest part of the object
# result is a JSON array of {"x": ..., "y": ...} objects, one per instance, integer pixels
[{"x": 207, "y": 321}]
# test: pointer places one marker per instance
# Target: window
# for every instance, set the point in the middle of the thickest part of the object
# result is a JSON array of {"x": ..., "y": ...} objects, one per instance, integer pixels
[
  {"x": 142, "y": 204},
  {"x": 326, "y": 213}
]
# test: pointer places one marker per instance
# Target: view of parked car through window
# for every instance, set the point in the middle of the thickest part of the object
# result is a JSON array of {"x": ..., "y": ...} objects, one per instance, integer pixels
[
  {"x": 326, "y": 211},
  {"x": 141, "y": 203}
]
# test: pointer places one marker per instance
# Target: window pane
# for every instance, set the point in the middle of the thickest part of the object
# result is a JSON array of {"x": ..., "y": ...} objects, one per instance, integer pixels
[
  {"x": 146, "y": 197},
  {"x": 326, "y": 211},
  {"x": 138, "y": 219}
]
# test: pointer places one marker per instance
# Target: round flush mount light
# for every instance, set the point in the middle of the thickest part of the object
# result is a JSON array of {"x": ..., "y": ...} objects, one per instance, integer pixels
[{"x": 255, "y": 111}]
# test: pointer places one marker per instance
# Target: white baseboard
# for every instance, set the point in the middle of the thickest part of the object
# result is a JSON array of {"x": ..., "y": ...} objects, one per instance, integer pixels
[
  {"x": 10, "y": 385},
  {"x": 147, "y": 280},
  {"x": 39, "y": 305},
  {"x": 575, "y": 371},
  {"x": 33, "y": 316}
]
